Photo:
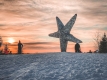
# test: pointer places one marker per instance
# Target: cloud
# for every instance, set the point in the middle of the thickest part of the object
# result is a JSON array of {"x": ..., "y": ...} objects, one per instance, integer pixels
[
  {"x": 40, "y": 47},
  {"x": 33, "y": 47},
  {"x": 1, "y": 4},
  {"x": 1, "y": 25},
  {"x": 97, "y": 11},
  {"x": 30, "y": 20},
  {"x": 35, "y": 43},
  {"x": 12, "y": 44}
]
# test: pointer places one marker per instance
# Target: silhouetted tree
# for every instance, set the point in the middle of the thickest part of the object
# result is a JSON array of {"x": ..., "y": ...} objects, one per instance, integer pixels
[
  {"x": 103, "y": 44},
  {"x": 1, "y": 41},
  {"x": 20, "y": 46}
]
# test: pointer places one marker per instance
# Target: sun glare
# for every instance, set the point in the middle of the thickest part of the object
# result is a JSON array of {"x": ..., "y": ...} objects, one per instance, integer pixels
[{"x": 11, "y": 40}]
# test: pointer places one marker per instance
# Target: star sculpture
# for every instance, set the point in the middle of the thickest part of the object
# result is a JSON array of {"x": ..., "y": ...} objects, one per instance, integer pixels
[{"x": 64, "y": 33}]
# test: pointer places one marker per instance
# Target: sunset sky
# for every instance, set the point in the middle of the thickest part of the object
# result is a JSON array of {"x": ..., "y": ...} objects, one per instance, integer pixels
[{"x": 32, "y": 20}]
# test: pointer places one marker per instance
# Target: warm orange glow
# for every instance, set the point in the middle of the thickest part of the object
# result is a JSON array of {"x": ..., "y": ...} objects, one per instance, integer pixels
[
  {"x": 11, "y": 40},
  {"x": 33, "y": 30}
]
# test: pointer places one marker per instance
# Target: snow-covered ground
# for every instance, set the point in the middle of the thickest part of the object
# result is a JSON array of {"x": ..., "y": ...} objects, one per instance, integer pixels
[{"x": 54, "y": 66}]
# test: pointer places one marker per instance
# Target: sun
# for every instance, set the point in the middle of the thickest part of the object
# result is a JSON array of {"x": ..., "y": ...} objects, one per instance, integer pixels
[{"x": 11, "y": 40}]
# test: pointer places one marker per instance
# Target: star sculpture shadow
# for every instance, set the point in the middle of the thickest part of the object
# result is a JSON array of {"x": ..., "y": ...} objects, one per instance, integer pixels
[{"x": 64, "y": 33}]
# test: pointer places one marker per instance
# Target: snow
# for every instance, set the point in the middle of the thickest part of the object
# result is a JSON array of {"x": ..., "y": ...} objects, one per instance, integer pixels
[{"x": 54, "y": 66}]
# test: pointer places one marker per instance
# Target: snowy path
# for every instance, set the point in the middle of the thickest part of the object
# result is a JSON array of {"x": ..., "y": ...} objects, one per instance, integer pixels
[{"x": 57, "y": 66}]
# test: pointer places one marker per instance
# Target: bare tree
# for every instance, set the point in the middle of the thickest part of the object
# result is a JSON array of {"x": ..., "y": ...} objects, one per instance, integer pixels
[{"x": 97, "y": 39}]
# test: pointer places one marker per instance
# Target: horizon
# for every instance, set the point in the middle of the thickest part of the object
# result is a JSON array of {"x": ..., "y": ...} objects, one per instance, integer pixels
[{"x": 32, "y": 21}]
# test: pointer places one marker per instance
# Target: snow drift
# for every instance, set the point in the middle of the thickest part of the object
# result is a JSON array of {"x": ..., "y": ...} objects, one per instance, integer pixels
[{"x": 54, "y": 66}]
